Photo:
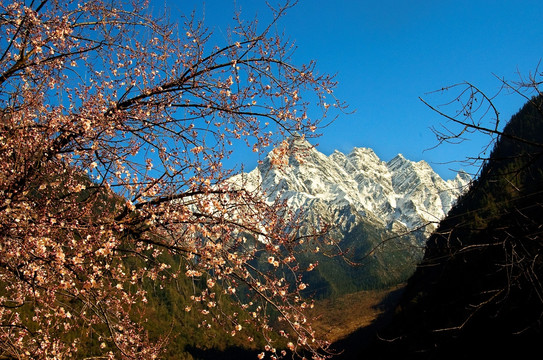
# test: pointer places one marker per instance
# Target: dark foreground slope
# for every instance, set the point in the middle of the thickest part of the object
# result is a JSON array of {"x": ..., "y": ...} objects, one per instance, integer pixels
[{"x": 478, "y": 292}]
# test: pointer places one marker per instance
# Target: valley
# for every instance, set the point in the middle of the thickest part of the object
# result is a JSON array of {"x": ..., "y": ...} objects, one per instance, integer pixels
[{"x": 336, "y": 318}]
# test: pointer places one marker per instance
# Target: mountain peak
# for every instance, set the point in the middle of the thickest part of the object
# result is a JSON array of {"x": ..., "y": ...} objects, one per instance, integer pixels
[
  {"x": 362, "y": 151},
  {"x": 462, "y": 176},
  {"x": 360, "y": 184},
  {"x": 299, "y": 140}
]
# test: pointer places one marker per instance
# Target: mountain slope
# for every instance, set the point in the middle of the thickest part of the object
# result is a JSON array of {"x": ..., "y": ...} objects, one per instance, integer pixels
[{"x": 478, "y": 291}]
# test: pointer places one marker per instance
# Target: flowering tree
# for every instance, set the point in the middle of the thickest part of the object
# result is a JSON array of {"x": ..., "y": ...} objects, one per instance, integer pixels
[{"x": 114, "y": 125}]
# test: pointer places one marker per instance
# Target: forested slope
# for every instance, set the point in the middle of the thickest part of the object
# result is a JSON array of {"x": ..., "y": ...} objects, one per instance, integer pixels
[{"x": 478, "y": 291}]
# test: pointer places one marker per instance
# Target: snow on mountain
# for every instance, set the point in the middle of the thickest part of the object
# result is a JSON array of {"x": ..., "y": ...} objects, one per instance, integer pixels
[{"x": 400, "y": 194}]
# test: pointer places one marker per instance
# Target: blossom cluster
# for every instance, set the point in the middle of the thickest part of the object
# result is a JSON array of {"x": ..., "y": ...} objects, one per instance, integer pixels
[{"x": 114, "y": 129}]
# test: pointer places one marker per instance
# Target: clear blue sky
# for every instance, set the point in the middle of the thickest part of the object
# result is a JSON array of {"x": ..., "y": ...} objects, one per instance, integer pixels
[{"x": 387, "y": 54}]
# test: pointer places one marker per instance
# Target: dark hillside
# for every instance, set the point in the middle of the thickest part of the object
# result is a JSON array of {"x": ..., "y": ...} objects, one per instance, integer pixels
[{"x": 478, "y": 291}]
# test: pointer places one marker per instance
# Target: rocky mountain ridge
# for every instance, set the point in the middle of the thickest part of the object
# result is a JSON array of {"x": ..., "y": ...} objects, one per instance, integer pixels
[{"x": 400, "y": 194}]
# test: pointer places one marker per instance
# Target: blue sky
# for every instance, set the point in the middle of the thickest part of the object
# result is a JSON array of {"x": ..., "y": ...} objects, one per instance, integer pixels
[{"x": 386, "y": 54}]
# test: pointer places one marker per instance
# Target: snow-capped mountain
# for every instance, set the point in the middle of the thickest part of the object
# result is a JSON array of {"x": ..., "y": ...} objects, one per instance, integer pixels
[
  {"x": 369, "y": 202},
  {"x": 399, "y": 194}
]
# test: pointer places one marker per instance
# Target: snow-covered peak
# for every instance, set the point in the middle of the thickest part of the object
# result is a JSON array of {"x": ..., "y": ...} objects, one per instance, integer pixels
[{"x": 397, "y": 194}]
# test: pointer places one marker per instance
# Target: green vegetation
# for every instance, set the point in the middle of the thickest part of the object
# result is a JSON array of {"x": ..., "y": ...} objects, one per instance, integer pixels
[
  {"x": 374, "y": 259},
  {"x": 478, "y": 290},
  {"x": 191, "y": 334}
]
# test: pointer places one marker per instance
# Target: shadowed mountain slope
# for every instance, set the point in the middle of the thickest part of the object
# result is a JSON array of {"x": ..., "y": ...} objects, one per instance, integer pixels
[{"x": 478, "y": 292}]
